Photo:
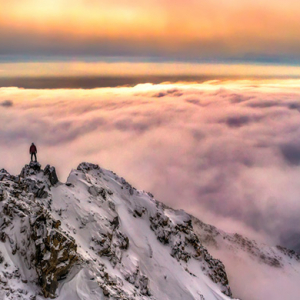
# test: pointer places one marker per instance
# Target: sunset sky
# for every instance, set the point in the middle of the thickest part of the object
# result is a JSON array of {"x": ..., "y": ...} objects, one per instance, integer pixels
[
  {"x": 144, "y": 31},
  {"x": 217, "y": 136},
  {"x": 194, "y": 101}
]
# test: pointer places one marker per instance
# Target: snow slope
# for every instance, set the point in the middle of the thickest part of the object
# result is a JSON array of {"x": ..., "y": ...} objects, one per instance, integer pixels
[{"x": 96, "y": 237}]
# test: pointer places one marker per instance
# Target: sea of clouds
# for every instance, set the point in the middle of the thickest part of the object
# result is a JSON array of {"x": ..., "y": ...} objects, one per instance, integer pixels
[{"x": 227, "y": 152}]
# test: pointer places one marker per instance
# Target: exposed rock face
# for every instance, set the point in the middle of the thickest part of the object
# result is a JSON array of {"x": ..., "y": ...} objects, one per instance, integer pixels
[
  {"x": 290, "y": 253},
  {"x": 55, "y": 254},
  {"x": 128, "y": 243},
  {"x": 3, "y": 174},
  {"x": 95, "y": 191},
  {"x": 97, "y": 235},
  {"x": 85, "y": 167},
  {"x": 38, "y": 239},
  {"x": 140, "y": 281},
  {"x": 185, "y": 245},
  {"x": 32, "y": 169},
  {"x": 51, "y": 173}
]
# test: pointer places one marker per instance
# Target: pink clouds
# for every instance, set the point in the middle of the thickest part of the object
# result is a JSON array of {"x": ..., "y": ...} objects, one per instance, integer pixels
[{"x": 227, "y": 152}]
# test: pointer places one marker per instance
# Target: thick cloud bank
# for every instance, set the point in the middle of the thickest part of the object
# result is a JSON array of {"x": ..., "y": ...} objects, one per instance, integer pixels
[{"x": 227, "y": 152}]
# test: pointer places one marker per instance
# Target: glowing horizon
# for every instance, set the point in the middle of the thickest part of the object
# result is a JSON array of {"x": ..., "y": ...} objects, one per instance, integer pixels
[{"x": 123, "y": 69}]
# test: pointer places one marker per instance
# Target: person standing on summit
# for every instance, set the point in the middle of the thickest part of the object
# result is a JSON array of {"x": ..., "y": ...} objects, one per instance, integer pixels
[{"x": 33, "y": 151}]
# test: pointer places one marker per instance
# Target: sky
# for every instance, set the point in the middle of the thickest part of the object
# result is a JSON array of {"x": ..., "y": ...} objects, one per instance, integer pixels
[
  {"x": 227, "y": 152},
  {"x": 233, "y": 31}
]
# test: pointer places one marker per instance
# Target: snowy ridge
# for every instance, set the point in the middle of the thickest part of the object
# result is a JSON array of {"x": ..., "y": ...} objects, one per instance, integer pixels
[{"x": 96, "y": 237}]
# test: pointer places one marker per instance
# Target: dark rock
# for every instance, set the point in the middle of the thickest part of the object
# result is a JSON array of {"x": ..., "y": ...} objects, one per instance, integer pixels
[
  {"x": 139, "y": 281},
  {"x": 122, "y": 241},
  {"x": 139, "y": 211},
  {"x": 181, "y": 237},
  {"x": 288, "y": 252},
  {"x": 42, "y": 244},
  {"x": 96, "y": 191},
  {"x": 3, "y": 174},
  {"x": 55, "y": 255},
  {"x": 56, "y": 224},
  {"x": 105, "y": 292},
  {"x": 1, "y": 195},
  {"x": 109, "y": 192},
  {"x": 51, "y": 173},
  {"x": 32, "y": 169},
  {"x": 87, "y": 167},
  {"x": 112, "y": 205},
  {"x": 41, "y": 193},
  {"x": 35, "y": 166},
  {"x": 115, "y": 222}
]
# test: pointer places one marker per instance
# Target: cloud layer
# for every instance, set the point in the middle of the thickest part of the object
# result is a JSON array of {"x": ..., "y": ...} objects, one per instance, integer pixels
[{"x": 227, "y": 152}]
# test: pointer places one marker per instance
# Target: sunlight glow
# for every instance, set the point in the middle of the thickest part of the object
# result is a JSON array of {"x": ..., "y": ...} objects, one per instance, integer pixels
[{"x": 77, "y": 68}]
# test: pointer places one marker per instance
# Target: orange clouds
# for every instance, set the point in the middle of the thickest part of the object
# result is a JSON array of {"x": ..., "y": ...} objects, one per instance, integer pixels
[
  {"x": 180, "y": 18},
  {"x": 198, "y": 29},
  {"x": 78, "y": 19}
]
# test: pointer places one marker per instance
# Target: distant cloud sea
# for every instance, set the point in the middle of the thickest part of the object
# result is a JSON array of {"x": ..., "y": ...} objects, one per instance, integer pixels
[{"x": 226, "y": 151}]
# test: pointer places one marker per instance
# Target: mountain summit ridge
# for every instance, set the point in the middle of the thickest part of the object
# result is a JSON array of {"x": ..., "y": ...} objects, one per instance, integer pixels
[
  {"x": 97, "y": 237},
  {"x": 96, "y": 229}
]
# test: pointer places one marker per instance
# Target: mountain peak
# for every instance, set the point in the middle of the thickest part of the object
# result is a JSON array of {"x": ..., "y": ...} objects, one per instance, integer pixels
[
  {"x": 97, "y": 237},
  {"x": 99, "y": 231}
]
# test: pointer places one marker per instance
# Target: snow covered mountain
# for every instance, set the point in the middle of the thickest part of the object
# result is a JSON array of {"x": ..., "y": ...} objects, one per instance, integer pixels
[{"x": 97, "y": 237}]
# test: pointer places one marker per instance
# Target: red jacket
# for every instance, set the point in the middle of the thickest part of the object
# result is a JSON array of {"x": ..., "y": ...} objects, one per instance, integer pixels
[{"x": 32, "y": 149}]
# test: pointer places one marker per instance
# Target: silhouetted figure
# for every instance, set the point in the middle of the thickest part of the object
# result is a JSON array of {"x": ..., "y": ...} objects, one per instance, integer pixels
[{"x": 33, "y": 151}]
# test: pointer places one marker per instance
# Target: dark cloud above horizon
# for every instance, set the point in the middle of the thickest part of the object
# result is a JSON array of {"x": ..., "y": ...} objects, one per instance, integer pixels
[
  {"x": 20, "y": 46},
  {"x": 227, "y": 153},
  {"x": 6, "y": 103}
]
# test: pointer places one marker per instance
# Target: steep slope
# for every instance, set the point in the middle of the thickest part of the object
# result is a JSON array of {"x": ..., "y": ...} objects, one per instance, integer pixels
[
  {"x": 255, "y": 270},
  {"x": 96, "y": 237}
]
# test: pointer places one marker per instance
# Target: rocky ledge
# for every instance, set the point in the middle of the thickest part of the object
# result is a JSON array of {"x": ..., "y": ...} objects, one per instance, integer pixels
[
  {"x": 29, "y": 230},
  {"x": 123, "y": 240}
]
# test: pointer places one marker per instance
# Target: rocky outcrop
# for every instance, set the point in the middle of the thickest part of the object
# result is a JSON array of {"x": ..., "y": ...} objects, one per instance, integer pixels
[
  {"x": 39, "y": 240},
  {"x": 85, "y": 167},
  {"x": 131, "y": 246},
  {"x": 41, "y": 220},
  {"x": 186, "y": 245},
  {"x": 55, "y": 252},
  {"x": 140, "y": 281},
  {"x": 51, "y": 174},
  {"x": 290, "y": 253},
  {"x": 32, "y": 169},
  {"x": 111, "y": 245},
  {"x": 96, "y": 191}
]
